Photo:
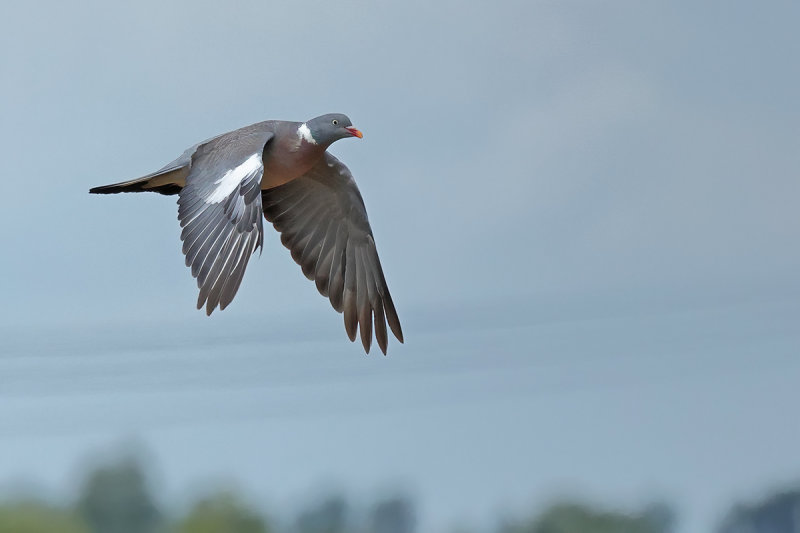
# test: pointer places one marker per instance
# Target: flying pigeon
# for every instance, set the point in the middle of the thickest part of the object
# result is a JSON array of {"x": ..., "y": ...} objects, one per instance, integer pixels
[{"x": 283, "y": 169}]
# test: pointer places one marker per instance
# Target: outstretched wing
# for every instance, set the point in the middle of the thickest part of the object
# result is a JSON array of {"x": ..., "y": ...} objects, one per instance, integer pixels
[
  {"x": 220, "y": 212},
  {"x": 323, "y": 221}
]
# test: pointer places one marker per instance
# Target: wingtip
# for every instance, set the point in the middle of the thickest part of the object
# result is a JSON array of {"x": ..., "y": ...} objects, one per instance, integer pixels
[
  {"x": 366, "y": 333},
  {"x": 382, "y": 344},
  {"x": 203, "y": 303},
  {"x": 398, "y": 332}
]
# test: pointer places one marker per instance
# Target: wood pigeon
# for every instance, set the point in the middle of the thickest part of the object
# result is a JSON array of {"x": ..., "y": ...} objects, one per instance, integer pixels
[{"x": 282, "y": 169}]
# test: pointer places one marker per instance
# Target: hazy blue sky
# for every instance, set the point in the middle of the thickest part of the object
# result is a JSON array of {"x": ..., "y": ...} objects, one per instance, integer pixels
[{"x": 587, "y": 213}]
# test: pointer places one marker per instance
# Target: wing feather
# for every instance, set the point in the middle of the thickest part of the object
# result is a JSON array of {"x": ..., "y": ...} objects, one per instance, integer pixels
[
  {"x": 364, "y": 307},
  {"x": 220, "y": 212},
  {"x": 323, "y": 222}
]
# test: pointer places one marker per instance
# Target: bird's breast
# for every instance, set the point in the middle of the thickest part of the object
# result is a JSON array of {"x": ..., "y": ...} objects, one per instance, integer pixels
[{"x": 286, "y": 160}]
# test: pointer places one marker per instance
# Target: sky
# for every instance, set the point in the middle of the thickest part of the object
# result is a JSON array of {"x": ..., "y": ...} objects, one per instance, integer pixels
[{"x": 586, "y": 213}]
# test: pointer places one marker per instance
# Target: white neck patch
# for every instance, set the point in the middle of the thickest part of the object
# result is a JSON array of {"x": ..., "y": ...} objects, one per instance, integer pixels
[
  {"x": 305, "y": 134},
  {"x": 232, "y": 178}
]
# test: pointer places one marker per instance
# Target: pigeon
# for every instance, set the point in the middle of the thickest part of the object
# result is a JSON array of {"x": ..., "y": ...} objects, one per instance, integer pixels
[{"x": 282, "y": 171}]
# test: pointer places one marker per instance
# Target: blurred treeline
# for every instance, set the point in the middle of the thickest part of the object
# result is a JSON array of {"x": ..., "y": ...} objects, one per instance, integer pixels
[{"x": 117, "y": 497}]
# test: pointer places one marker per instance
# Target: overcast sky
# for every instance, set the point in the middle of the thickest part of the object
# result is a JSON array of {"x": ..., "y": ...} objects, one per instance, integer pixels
[{"x": 587, "y": 213}]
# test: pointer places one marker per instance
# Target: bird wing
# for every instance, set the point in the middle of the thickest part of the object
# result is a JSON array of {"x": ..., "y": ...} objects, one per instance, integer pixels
[
  {"x": 220, "y": 212},
  {"x": 323, "y": 222}
]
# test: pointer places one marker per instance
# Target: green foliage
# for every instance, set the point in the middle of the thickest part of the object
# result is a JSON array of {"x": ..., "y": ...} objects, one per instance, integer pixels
[
  {"x": 394, "y": 515},
  {"x": 35, "y": 517},
  {"x": 579, "y": 518},
  {"x": 778, "y": 512},
  {"x": 329, "y": 516},
  {"x": 116, "y": 499},
  {"x": 222, "y": 513}
]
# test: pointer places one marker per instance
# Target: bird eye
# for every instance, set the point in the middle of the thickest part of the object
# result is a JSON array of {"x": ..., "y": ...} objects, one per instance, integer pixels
[{"x": 335, "y": 122}]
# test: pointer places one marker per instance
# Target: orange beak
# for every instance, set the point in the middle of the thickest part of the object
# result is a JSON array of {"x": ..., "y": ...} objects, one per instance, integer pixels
[{"x": 355, "y": 133}]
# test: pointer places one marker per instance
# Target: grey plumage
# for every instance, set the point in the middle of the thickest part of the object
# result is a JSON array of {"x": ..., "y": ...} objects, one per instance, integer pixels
[
  {"x": 344, "y": 261},
  {"x": 280, "y": 169}
]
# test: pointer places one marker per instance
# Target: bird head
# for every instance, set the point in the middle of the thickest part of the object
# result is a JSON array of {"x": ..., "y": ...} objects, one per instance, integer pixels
[{"x": 329, "y": 128}]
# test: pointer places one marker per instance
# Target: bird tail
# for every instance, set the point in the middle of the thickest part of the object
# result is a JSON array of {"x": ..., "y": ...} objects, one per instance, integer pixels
[{"x": 169, "y": 180}]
